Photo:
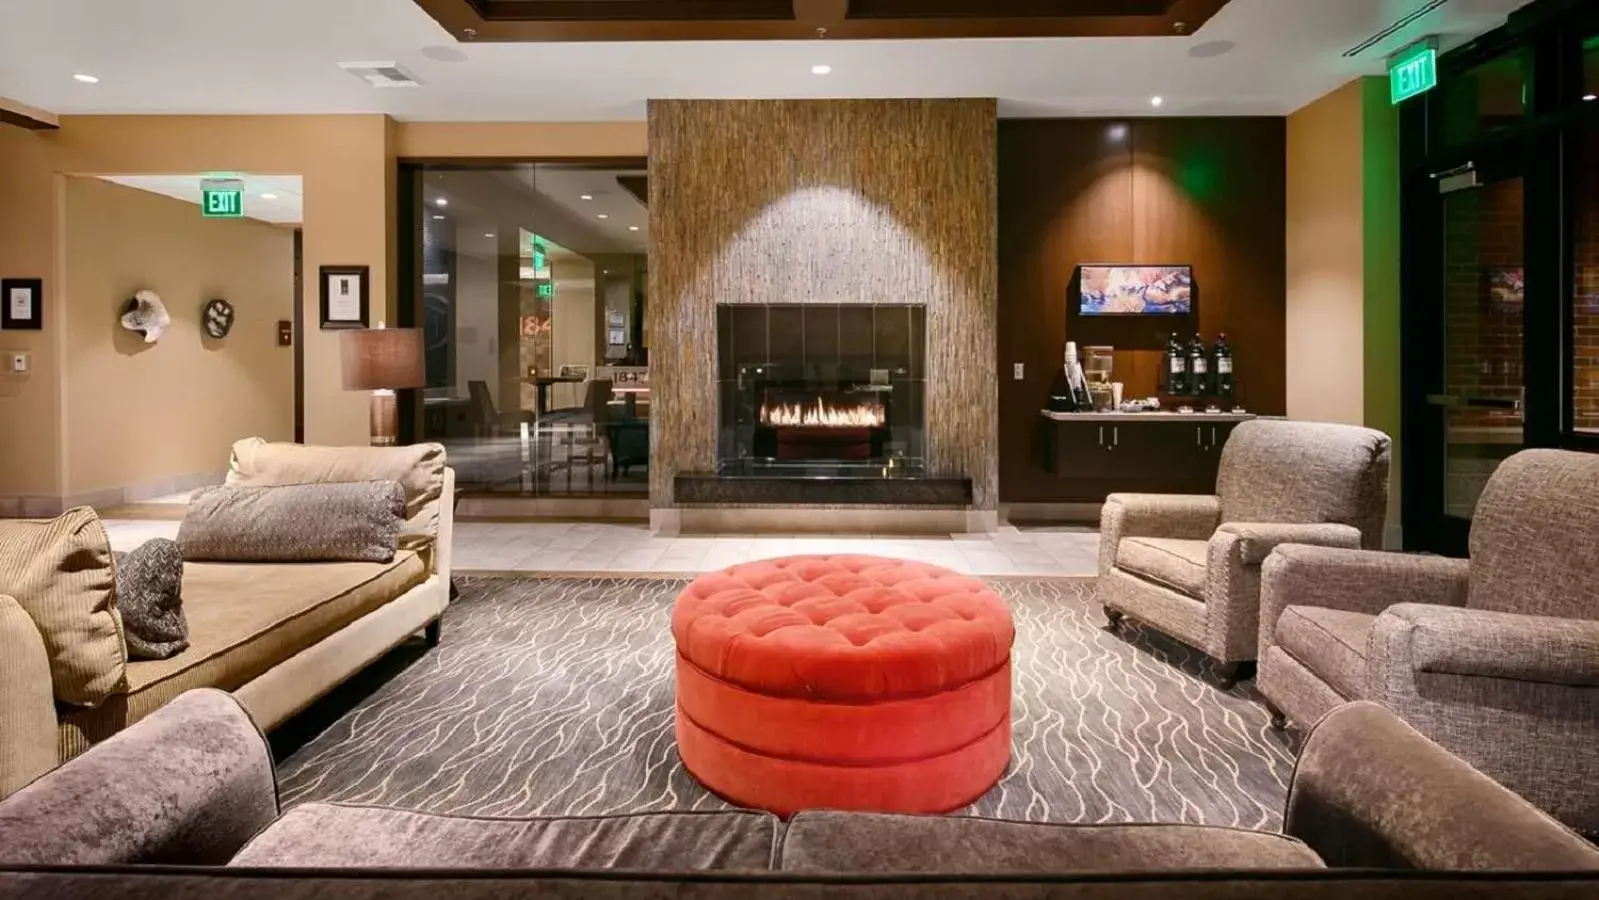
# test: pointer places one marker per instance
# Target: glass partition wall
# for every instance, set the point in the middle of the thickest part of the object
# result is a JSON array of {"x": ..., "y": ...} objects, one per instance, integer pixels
[
  {"x": 529, "y": 284},
  {"x": 1500, "y": 262}
]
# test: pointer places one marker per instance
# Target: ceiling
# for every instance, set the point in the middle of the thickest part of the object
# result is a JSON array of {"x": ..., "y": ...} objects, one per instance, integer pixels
[
  {"x": 1255, "y": 57},
  {"x": 542, "y": 199},
  {"x": 270, "y": 198},
  {"x": 655, "y": 20}
]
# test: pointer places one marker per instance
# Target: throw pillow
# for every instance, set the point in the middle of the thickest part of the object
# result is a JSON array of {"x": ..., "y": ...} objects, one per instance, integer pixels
[
  {"x": 61, "y": 572},
  {"x": 343, "y": 522},
  {"x": 150, "y": 598},
  {"x": 419, "y": 468}
]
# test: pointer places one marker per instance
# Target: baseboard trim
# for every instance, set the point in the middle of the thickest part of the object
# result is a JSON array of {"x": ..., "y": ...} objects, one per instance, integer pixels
[{"x": 810, "y": 520}]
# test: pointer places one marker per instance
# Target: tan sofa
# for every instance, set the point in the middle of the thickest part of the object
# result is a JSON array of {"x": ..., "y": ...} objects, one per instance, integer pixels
[{"x": 276, "y": 635}]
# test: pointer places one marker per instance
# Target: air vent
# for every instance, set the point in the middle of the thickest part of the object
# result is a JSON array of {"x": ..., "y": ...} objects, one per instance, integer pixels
[
  {"x": 1399, "y": 25},
  {"x": 381, "y": 74}
]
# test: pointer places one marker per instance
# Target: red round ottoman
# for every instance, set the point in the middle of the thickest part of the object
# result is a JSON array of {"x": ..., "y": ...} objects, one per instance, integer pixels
[{"x": 843, "y": 682}]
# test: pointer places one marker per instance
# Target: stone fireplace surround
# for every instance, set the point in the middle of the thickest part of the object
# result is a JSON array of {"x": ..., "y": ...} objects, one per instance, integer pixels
[{"x": 825, "y": 205}]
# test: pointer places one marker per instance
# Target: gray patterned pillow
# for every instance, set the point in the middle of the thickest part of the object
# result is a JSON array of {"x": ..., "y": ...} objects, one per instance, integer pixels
[
  {"x": 150, "y": 598},
  {"x": 344, "y": 522}
]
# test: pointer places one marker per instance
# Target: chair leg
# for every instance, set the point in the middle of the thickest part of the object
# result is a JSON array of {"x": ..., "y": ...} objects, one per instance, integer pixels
[
  {"x": 433, "y": 633},
  {"x": 1114, "y": 617},
  {"x": 1279, "y": 721},
  {"x": 1229, "y": 674}
]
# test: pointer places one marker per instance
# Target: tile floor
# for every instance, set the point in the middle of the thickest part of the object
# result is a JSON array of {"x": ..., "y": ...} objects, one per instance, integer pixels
[{"x": 591, "y": 547}]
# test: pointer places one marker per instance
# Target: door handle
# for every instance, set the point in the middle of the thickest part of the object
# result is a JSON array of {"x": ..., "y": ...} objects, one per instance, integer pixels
[
  {"x": 1199, "y": 437},
  {"x": 1212, "y": 437},
  {"x": 1453, "y": 401},
  {"x": 1115, "y": 436},
  {"x": 1101, "y": 435}
]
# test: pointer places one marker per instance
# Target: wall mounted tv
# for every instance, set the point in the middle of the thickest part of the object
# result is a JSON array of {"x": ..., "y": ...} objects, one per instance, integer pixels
[{"x": 1121, "y": 290}]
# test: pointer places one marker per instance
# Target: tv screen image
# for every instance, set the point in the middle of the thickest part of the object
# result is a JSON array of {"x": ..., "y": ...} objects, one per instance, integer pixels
[{"x": 1136, "y": 291}]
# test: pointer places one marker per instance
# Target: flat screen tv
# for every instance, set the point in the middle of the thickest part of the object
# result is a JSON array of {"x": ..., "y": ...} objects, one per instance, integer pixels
[{"x": 1135, "y": 291}]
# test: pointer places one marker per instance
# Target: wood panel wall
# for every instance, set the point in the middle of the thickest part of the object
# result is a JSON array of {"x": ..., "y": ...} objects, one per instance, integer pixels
[
  {"x": 1209, "y": 193},
  {"x": 823, "y": 201}
]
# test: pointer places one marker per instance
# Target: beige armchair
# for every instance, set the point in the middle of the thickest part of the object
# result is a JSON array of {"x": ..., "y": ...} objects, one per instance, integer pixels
[
  {"x": 1189, "y": 566},
  {"x": 1497, "y": 658}
]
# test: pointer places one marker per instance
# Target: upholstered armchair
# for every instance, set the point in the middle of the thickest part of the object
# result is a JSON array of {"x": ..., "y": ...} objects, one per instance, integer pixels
[
  {"x": 1497, "y": 658},
  {"x": 1189, "y": 566}
]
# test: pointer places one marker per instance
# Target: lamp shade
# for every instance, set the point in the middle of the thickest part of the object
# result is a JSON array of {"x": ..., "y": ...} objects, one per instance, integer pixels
[{"x": 379, "y": 358}]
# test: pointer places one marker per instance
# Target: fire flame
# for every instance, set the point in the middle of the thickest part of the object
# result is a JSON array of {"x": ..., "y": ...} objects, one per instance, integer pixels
[{"x": 822, "y": 415}]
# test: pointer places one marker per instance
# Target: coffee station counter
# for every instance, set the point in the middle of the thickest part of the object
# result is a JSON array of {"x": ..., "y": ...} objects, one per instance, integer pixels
[
  {"x": 1162, "y": 416},
  {"x": 1100, "y": 453}
]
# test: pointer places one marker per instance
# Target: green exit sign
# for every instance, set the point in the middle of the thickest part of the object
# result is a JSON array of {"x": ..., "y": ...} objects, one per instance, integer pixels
[
  {"x": 1413, "y": 72},
  {"x": 546, "y": 290},
  {"x": 222, "y": 203}
]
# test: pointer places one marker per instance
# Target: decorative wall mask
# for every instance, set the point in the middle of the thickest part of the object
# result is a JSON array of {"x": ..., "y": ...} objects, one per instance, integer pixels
[
  {"x": 218, "y": 318},
  {"x": 146, "y": 314}
]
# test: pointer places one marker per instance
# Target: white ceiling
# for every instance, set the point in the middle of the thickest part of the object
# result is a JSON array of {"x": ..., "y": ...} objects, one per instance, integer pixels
[
  {"x": 231, "y": 56},
  {"x": 284, "y": 207},
  {"x": 566, "y": 188}
]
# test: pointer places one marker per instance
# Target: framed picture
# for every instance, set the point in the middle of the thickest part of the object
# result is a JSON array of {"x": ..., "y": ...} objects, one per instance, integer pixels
[
  {"x": 1507, "y": 289},
  {"x": 1122, "y": 290},
  {"x": 574, "y": 371},
  {"x": 345, "y": 296},
  {"x": 22, "y": 303}
]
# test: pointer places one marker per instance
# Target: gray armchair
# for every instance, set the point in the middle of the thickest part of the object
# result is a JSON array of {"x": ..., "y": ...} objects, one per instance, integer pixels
[
  {"x": 1189, "y": 566},
  {"x": 1497, "y": 658}
]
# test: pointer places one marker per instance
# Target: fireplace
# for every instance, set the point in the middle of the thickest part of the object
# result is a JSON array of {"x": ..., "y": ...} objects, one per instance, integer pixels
[{"x": 821, "y": 390}]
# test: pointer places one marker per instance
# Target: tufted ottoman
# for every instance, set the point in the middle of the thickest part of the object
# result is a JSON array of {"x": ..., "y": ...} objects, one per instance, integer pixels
[{"x": 843, "y": 682}]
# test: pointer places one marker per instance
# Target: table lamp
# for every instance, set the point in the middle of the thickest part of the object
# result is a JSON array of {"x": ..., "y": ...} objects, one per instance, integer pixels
[{"x": 382, "y": 360}]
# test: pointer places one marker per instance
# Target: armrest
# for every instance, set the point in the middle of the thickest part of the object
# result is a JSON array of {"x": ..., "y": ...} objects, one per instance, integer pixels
[
  {"x": 1190, "y": 517},
  {"x": 27, "y": 700},
  {"x": 1256, "y": 540},
  {"x": 1487, "y": 644},
  {"x": 190, "y": 784},
  {"x": 1369, "y": 791},
  {"x": 1364, "y": 581}
]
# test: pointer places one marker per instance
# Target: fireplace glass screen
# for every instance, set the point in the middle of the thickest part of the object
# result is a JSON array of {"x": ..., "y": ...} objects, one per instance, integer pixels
[{"x": 821, "y": 389}]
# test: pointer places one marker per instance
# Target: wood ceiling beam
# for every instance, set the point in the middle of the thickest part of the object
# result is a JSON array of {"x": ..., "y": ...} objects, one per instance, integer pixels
[
  {"x": 814, "y": 14},
  {"x": 747, "y": 20},
  {"x": 24, "y": 116}
]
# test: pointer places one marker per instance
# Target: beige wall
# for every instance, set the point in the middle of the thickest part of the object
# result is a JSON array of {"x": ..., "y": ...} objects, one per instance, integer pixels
[
  {"x": 348, "y": 164},
  {"x": 140, "y": 414},
  {"x": 1326, "y": 264},
  {"x": 1343, "y": 338},
  {"x": 571, "y": 322}
]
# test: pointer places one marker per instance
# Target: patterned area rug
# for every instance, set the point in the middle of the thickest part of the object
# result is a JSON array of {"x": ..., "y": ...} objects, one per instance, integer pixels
[{"x": 554, "y": 696}]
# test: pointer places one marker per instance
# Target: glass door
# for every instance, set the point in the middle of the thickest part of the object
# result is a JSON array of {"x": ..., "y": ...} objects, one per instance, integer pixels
[{"x": 1475, "y": 400}]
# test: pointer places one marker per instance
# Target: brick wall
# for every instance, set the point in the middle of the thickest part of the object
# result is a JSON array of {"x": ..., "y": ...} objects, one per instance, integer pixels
[
  {"x": 1585, "y": 312},
  {"x": 1483, "y": 325}
]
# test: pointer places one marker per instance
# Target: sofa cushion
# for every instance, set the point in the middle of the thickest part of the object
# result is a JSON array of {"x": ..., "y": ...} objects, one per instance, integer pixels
[
  {"x": 245, "y": 618},
  {"x": 355, "y": 522},
  {"x": 27, "y": 705},
  {"x": 875, "y": 844},
  {"x": 418, "y": 468},
  {"x": 1177, "y": 564},
  {"x": 316, "y": 835},
  {"x": 1330, "y": 643},
  {"x": 61, "y": 571}
]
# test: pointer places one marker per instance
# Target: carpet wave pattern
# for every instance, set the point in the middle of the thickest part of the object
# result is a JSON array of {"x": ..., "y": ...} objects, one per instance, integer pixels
[{"x": 554, "y": 697}]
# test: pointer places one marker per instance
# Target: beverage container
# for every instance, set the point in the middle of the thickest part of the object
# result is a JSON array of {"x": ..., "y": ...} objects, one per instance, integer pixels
[
  {"x": 1222, "y": 369},
  {"x": 1174, "y": 368},
  {"x": 1198, "y": 367}
]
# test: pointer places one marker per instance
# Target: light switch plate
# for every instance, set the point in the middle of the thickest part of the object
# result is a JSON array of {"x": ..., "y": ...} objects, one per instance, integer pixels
[
  {"x": 1019, "y": 371},
  {"x": 19, "y": 362}
]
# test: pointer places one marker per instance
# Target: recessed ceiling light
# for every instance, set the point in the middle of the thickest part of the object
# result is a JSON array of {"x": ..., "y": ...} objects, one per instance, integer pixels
[
  {"x": 269, "y": 196},
  {"x": 438, "y": 218},
  {"x": 586, "y": 197},
  {"x": 632, "y": 228},
  {"x": 604, "y": 216},
  {"x": 442, "y": 201},
  {"x": 86, "y": 79},
  {"x": 1156, "y": 101},
  {"x": 488, "y": 234},
  {"x": 821, "y": 69},
  {"x": 1589, "y": 98}
]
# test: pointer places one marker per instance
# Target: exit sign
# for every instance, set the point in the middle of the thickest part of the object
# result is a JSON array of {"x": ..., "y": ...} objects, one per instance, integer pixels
[
  {"x": 1413, "y": 72},
  {"x": 222, "y": 204},
  {"x": 546, "y": 290}
]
